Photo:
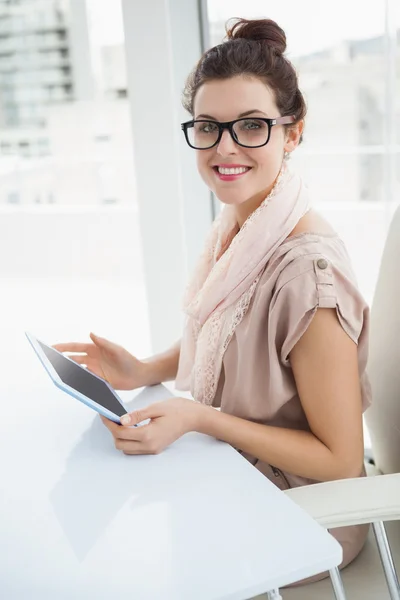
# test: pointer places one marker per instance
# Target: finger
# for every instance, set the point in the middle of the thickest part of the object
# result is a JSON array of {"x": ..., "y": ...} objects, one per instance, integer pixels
[
  {"x": 137, "y": 434},
  {"x": 85, "y": 361},
  {"x": 102, "y": 342},
  {"x": 137, "y": 416},
  {"x": 71, "y": 347},
  {"x": 133, "y": 433},
  {"x": 81, "y": 359},
  {"x": 138, "y": 450},
  {"x": 113, "y": 427},
  {"x": 133, "y": 447}
]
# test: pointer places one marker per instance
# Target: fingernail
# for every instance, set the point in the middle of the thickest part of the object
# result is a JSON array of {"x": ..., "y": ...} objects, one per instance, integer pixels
[{"x": 126, "y": 420}]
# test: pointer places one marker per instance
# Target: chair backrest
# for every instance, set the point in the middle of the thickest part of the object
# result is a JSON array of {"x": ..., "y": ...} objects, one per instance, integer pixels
[{"x": 383, "y": 417}]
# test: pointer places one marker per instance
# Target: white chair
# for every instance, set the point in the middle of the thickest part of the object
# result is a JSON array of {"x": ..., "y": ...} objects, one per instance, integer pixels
[{"x": 376, "y": 498}]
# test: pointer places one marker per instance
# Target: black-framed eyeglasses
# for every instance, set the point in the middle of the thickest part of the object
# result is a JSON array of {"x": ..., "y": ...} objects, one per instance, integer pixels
[{"x": 248, "y": 132}]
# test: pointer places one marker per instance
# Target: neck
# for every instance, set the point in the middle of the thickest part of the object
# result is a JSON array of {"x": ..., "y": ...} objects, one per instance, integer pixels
[{"x": 243, "y": 211}]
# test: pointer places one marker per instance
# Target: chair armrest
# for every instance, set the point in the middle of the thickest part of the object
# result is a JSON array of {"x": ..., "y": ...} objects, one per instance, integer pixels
[{"x": 350, "y": 501}]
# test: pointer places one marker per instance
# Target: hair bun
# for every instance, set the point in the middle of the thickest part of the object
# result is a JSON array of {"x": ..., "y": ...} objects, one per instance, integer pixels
[{"x": 263, "y": 30}]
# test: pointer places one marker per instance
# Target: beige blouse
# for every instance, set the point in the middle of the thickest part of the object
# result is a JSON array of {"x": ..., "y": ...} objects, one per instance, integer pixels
[{"x": 306, "y": 272}]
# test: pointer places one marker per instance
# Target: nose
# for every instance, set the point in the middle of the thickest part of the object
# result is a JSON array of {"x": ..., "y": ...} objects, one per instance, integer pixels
[{"x": 226, "y": 144}]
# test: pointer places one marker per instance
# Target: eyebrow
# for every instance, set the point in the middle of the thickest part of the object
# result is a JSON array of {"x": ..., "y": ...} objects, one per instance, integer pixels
[{"x": 244, "y": 114}]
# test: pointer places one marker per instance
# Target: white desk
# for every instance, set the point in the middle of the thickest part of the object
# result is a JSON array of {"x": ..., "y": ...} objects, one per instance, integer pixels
[{"x": 79, "y": 519}]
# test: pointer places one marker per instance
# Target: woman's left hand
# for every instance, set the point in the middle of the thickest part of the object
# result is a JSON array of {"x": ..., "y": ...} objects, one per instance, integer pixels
[{"x": 169, "y": 420}]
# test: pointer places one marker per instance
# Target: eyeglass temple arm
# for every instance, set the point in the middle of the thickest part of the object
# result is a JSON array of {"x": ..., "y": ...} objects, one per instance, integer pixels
[{"x": 283, "y": 120}]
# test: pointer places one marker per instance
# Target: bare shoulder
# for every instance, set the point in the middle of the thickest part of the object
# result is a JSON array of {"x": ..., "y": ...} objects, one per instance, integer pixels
[{"x": 312, "y": 222}]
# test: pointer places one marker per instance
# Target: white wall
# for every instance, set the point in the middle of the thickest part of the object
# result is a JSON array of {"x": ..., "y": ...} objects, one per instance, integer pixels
[{"x": 162, "y": 46}]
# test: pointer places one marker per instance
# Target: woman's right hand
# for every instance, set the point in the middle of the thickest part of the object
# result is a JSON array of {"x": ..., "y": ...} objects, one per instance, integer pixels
[{"x": 109, "y": 361}]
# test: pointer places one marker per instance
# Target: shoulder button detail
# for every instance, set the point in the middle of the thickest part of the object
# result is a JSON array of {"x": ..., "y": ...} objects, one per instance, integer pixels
[{"x": 322, "y": 263}]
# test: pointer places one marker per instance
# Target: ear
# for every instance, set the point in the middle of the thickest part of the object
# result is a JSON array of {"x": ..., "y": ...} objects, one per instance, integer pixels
[{"x": 293, "y": 136}]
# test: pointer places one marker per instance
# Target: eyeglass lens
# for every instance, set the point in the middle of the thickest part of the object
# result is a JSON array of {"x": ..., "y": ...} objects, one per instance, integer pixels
[{"x": 249, "y": 132}]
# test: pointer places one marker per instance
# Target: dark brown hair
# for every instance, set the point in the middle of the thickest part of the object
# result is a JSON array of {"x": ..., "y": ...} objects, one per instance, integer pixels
[{"x": 254, "y": 48}]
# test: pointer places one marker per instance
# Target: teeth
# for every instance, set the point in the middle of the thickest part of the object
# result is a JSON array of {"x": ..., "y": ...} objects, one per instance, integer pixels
[{"x": 234, "y": 171}]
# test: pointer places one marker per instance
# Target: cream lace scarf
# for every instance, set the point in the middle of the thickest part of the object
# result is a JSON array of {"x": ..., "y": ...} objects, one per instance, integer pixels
[{"x": 223, "y": 284}]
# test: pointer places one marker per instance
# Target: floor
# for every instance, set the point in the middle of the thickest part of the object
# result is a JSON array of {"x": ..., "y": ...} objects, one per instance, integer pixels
[{"x": 363, "y": 579}]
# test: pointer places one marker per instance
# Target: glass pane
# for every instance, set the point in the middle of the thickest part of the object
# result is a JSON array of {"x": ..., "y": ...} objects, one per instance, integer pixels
[
  {"x": 69, "y": 232},
  {"x": 349, "y": 177},
  {"x": 64, "y": 115}
]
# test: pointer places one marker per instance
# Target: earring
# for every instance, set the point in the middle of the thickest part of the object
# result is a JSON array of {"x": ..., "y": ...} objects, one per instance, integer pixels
[{"x": 286, "y": 155}]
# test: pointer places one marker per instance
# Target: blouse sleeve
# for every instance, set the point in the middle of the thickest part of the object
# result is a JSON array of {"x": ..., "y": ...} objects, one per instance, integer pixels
[{"x": 309, "y": 283}]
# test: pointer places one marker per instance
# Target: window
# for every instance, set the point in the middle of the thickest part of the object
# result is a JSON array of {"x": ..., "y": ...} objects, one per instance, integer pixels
[
  {"x": 102, "y": 138},
  {"x": 24, "y": 148},
  {"x": 68, "y": 233},
  {"x": 53, "y": 100},
  {"x": 13, "y": 198},
  {"x": 5, "y": 148},
  {"x": 43, "y": 147}
]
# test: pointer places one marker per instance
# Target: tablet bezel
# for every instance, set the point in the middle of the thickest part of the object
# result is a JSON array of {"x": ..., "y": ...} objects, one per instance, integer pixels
[{"x": 68, "y": 389}]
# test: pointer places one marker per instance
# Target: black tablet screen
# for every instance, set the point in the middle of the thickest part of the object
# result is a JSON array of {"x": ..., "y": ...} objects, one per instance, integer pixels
[{"x": 83, "y": 381}]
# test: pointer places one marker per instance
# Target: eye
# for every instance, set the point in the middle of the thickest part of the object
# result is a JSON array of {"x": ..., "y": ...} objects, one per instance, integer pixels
[
  {"x": 252, "y": 124},
  {"x": 206, "y": 127}
]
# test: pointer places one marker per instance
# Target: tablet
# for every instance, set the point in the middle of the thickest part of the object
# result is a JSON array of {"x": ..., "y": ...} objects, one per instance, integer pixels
[{"x": 78, "y": 382}]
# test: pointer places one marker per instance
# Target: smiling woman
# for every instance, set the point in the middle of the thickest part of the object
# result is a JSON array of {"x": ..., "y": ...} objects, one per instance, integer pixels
[
  {"x": 276, "y": 330},
  {"x": 276, "y": 334}
]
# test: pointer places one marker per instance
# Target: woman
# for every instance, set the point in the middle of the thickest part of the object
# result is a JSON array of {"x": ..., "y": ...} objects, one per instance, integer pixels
[{"x": 276, "y": 331}]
